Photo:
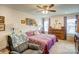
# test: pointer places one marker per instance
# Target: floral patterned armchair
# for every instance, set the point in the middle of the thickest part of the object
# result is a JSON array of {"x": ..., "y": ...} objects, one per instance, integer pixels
[{"x": 23, "y": 48}]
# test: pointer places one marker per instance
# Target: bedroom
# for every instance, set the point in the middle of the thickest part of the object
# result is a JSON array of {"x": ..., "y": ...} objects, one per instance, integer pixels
[{"x": 13, "y": 18}]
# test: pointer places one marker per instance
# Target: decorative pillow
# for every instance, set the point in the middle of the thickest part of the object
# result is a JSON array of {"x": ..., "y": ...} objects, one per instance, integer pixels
[
  {"x": 31, "y": 33},
  {"x": 36, "y": 32},
  {"x": 33, "y": 46}
]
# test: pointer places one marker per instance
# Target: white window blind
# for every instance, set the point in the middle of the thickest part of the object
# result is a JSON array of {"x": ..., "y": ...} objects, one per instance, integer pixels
[{"x": 71, "y": 26}]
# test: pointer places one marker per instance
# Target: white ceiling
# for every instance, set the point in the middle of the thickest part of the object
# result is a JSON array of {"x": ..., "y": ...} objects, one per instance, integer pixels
[{"x": 32, "y": 9}]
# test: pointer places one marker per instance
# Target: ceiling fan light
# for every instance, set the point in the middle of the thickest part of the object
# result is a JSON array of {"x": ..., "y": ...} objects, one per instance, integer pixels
[{"x": 45, "y": 12}]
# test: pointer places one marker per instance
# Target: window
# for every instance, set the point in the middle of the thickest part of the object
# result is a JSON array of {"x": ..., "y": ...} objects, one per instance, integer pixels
[
  {"x": 46, "y": 23},
  {"x": 71, "y": 29}
]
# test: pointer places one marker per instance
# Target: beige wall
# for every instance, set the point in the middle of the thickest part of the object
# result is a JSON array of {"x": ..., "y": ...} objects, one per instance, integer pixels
[{"x": 13, "y": 17}]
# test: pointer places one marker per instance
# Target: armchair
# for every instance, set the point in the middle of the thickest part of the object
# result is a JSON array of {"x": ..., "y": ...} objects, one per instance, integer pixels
[{"x": 24, "y": 48}]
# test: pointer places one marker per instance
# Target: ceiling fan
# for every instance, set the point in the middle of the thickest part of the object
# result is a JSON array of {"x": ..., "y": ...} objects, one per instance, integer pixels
[{"x": 46, "y": 8}]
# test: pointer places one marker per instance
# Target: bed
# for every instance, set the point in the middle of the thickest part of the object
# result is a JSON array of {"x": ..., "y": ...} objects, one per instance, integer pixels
[{"x": 46, "y": 41}]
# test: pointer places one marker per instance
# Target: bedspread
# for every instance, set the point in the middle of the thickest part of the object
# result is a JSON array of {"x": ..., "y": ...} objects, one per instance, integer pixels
[{"x": 46, "y": 41}]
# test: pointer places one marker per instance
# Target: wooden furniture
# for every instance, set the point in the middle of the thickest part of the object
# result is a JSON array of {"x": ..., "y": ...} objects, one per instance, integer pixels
[
  {"x": 60, "y": 33},
  {"x": 76, "y": 40}
]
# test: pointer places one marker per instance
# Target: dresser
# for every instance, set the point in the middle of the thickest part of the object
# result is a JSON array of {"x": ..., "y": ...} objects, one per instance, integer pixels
[
  {"x": 60, "y": 33},
  {"x": 76, "y": 40}
]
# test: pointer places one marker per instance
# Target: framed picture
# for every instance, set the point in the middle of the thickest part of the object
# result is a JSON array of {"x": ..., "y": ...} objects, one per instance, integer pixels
[
  {"x": 2, "y": 19},
  {"x": 30, "y": 22},
  {"x": 2, "y": 27},
  {"x": 23, "y": 22}
]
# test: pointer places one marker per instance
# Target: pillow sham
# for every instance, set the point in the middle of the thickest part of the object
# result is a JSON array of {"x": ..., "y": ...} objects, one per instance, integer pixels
[
  {"x": 36, "y": 32},
  {"x": 31, "y": 33}
]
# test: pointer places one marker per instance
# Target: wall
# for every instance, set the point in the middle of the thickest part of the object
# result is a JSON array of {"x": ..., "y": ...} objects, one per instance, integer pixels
[{"x": 13, "y": 17}]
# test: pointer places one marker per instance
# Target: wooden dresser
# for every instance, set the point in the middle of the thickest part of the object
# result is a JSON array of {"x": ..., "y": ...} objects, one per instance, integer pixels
[{"x": 60, "y": 33}]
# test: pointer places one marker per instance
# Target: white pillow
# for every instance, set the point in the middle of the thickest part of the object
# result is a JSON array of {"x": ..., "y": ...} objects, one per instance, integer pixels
[{"x": 36, "y": 32}]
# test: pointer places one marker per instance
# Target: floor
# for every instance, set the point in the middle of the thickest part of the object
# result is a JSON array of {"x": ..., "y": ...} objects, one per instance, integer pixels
[
  {"x": 64, "y": 47},
  {"x": 4, "y": 51}
]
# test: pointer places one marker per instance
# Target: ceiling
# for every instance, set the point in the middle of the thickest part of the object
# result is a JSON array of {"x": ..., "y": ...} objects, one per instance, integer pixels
[{"x": 32, "y": 9}]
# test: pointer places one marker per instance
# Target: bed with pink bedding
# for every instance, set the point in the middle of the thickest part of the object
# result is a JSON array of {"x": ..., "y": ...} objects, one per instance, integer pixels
[{"x": 46, "y": 41}]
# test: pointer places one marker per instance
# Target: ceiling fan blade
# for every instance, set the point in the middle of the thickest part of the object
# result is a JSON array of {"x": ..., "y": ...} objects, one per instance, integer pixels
[
  {"x": 52, "y": 10},
  {"x": 39, "y": 7},
  {"x": 51, "y": 5}
]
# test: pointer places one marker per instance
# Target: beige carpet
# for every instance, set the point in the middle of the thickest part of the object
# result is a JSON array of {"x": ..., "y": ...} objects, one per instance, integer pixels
[{"x": 63, "y": 47}]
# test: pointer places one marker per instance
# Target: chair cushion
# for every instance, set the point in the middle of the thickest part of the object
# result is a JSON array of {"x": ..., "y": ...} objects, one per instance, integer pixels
[
  {"x": 33, "y": 46},
  {"x": 22, "y": 47},
  {"x": 29, "y": 51}
]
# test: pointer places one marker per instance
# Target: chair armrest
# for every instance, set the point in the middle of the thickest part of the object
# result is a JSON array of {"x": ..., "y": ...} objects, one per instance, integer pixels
[
  {"x": 33, "y": 46},
  {"x": 14, "y": 52}
]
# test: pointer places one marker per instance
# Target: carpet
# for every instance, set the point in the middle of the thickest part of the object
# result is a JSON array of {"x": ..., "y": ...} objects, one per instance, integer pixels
[{"x": 63, "y": 47}]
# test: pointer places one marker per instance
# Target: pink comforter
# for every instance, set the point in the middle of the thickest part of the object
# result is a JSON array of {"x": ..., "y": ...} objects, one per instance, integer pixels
[{"x": 44, "y": 40}]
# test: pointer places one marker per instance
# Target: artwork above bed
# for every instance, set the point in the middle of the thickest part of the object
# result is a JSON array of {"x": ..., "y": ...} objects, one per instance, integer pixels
[{"x": 30, "y": 22}]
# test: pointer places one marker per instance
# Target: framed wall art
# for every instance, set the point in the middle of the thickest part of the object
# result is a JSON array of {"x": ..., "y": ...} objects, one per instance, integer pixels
[
  {"x": 30, "y": 22},
  {"x": 2, "y": 19},
  {"x": 2, "y": 27},
  {"x": 2, "y": 23},
  {"x": 23, "y": 22}
]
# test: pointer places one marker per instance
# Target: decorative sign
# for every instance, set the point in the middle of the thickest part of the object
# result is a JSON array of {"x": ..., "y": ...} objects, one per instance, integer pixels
[
  {"x": 2, "y": 25},
  {"x": 2, "y": 19}
]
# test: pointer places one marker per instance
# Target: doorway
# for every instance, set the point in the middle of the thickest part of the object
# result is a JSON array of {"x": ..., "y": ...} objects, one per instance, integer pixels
[{"x": 46, "y": 23}]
